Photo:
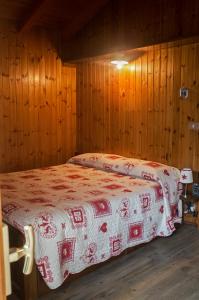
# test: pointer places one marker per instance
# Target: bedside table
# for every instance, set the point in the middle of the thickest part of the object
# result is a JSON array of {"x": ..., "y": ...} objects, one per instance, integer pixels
[{"x": 190, "y": 209}]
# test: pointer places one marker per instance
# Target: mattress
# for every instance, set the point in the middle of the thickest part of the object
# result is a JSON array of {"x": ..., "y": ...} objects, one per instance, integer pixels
[{"x": 91, "y": 208}]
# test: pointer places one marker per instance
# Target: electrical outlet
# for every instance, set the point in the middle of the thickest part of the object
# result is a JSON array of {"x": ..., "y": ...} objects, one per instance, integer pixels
[{"x": 184, "y": 92}]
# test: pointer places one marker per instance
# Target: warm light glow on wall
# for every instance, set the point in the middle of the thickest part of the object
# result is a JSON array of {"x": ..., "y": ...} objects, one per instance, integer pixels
[
  {"x": 135, "y": 67},
  {"x": 119, "y": 63},
  {"x": 132, "y": 67}
]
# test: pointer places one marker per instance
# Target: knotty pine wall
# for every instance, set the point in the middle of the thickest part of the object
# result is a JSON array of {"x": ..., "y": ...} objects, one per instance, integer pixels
[
  {"x": 138, "y": 112},
  {"x": 37, "y": 102}
]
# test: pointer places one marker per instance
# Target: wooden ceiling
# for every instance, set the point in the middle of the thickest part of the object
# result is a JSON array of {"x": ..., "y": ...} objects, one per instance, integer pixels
[{"x": 68, "y": 16}]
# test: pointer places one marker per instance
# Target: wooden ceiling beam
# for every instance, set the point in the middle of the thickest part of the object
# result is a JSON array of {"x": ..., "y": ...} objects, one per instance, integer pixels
[{"x": 37, "y": 10}]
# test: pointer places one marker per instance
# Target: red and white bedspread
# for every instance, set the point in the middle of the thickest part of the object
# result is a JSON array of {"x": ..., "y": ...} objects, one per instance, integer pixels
[{"x": 85, "y": 211}]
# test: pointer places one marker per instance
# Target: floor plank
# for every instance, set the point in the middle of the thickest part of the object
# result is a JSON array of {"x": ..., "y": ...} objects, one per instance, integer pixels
[{"x": 166, "y": 269}]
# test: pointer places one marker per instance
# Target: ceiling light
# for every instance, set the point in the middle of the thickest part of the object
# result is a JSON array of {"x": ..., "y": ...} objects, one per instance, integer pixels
[{"x": 119, "y": 63}]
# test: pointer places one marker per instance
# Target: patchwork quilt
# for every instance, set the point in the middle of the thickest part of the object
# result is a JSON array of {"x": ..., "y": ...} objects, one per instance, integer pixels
[{"x": 90, "y": 209}]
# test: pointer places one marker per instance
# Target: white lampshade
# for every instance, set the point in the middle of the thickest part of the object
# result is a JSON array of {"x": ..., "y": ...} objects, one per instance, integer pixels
[{"x": 186, "y": 175}]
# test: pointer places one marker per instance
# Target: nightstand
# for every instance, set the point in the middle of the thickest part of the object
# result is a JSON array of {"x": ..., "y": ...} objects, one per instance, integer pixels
[{"x": 190, "y": 209}]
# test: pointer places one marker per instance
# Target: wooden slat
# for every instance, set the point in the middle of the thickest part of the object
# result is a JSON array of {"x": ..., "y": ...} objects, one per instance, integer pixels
[
  {"x": 176, "y": 149},
  {"x": 138, "y": 108},
  {"x": 131, "y": 112},
  {"x": 144, "y": 107},
  {"x": 150, "y": 105},
  {"x": 156, "y": 119},
  {"x": 169, "y": 105},
  {"x": 163, "y": 105}
]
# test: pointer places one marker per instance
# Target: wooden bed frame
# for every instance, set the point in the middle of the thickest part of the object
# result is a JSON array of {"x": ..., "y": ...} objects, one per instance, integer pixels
[{"x": 31, "y": 287}]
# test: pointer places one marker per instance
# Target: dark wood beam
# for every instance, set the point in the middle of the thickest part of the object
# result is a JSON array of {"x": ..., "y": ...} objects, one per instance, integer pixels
[{"x": 30, "y": 19}]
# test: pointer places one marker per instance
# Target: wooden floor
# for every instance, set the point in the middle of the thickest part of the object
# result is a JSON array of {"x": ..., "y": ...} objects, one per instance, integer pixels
[{"x": 165, "y": 269}]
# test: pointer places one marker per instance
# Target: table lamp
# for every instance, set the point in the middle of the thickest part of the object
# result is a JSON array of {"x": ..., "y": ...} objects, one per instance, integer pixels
[{"x": 186, "y": 177}]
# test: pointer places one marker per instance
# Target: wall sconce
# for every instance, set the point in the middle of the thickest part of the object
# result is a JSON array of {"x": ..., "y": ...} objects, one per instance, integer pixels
[
  {"x": 119, "y": 63},
  {"x": 186, "y": 177}
]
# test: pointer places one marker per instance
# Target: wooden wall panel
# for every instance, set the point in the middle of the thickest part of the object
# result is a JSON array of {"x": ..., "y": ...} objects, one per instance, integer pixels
[
  {"x": 37, "y": 102},
  {"x": 137, "y": 111}
]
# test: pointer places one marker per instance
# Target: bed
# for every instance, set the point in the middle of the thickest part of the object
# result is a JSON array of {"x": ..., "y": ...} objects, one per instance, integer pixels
[{"x": 90, "y": 209}]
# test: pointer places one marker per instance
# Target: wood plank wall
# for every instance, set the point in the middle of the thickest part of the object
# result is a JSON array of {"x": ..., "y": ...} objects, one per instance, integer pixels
[
  {"x": 37, "y": 102},
  {"x": 137, "y": 111}
]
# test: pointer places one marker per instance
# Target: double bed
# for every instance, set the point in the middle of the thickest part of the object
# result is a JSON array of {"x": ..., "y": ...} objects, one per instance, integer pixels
[{"x": 90, "y": 209}]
